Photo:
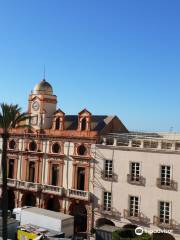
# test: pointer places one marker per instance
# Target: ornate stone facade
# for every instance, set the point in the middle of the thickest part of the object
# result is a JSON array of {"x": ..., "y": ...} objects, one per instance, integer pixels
[{"x": 50, "y": 165}]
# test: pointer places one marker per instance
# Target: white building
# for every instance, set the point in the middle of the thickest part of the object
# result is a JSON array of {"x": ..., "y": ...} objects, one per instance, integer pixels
[{"x": 137, "y": 181}]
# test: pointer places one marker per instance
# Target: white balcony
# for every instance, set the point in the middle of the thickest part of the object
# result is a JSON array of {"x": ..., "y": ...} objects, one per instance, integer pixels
[
  {"x": 11, "y": 182},
  {"x": 29, "y": 185},
  {"x": 78, "y": 194},
  {"x": 53, "y": 189}
]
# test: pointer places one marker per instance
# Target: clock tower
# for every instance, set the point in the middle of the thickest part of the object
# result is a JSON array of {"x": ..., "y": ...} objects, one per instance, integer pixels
[{"x": 42, "y": 105}]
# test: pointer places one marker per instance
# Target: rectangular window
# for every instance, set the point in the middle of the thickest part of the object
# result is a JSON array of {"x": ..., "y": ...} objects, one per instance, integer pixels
[
  {"x": 134, "y": 206},
  {"x": 164, "y": 212},
  {"x": 11, "y": 168},
  {"x": 55, "y": 175},
  {"x": 165, "y": 175},
  {"x": 81, "y": 178},
  {"x": 31, "y": 172},
  {"x": 107, "y": 201},
  {"x": 108, "y": 169},
  {"x": 135, "y": 171}
]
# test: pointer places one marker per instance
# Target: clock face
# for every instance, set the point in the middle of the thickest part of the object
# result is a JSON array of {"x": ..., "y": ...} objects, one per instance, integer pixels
[{"x": 35, "y": 106}]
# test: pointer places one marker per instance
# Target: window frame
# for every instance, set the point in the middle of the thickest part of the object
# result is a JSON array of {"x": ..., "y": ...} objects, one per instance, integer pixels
[
  {"x": 165, "y": 181},
  {"x": 59, "y": 151},
  {"x": 107, "y": 201},
  {"x": 108, "y": 173},
  {"x": 165, "y": 215},
  {"x": 135, "y": 176},
  {"x": 135, "y": 208},
  {"x": 15, "y": 144}
]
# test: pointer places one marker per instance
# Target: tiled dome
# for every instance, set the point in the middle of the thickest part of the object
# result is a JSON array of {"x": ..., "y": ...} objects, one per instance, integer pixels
[{"x": 43, "y": 88}]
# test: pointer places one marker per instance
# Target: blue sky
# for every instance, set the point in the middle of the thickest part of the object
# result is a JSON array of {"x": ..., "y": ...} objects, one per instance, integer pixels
[{"x": 116, "y": 57}]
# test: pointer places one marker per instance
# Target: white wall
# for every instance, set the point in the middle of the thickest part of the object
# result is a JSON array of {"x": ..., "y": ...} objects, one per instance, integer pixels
[{"x": 149, "y": 194}]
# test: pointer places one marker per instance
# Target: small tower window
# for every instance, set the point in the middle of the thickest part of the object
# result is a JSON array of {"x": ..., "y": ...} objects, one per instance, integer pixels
[
  {"x": 83, "y": 124},
  {"x": 81, "y": 150},
  {"x": 12, "y": 144},
  {"x": 56, "y": 148},
  {"x": 57, "y": 124},
  {"x": 33, "y": 146}
]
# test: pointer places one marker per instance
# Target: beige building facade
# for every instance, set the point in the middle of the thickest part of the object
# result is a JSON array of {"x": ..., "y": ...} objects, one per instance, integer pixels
[
  {"x": 137, "y": 181},
  {"x": 91, "y": 167}
]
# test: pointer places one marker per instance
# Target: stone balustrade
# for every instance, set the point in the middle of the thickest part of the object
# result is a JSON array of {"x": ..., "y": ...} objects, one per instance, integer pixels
[
  {"x": 53, "y": 189},
  {"x": 143, "y": 143},
  {"x": 138, "y": 217},
  {"x": 11, "y": 182},
  {"x": 108, "y": 212},
  {"x": 78, "y": 194},
  {"x": 169, "y": 184},
  {"x": 28, "y": 185},
  {"x": 169, "y": 224},
  {"x": 136, "y": 180}
]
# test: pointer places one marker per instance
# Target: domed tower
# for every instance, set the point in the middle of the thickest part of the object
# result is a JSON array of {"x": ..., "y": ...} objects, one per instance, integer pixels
[{"x": 42, "y": 105}]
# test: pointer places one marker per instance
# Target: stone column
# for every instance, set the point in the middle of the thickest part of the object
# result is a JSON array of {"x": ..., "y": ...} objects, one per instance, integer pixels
[
  {"x": 19, "y": 199},
  {"x": 142, "y": 144},
  {"x": 38, "y": 200},
  {"x": 104, "y": 141},
  {"x": 89, "y": 217},
  {"x": 130, "y": 143},
  {"x": 159, "y": 145},
  {"x": 173, "y": 146},
  {"x": 115, "y": 142}
]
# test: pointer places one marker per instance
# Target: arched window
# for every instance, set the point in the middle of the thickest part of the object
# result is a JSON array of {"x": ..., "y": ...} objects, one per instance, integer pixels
[
  {"x": 12, "y": 144},
  {"x": 83, "y": 124},
  {"x": 29, "y": 199},
  {"x": 78, "y": 210},
  {"x": 56, "y": 148},
  {"x": 53, "y": 204},
  {"x": 81, "y": 150},
  {"x": 57, "y": 124},
  {"x": 33, "y": 146}
]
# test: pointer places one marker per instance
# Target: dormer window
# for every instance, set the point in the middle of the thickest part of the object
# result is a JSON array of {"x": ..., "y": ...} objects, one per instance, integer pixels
[
  {"x": 84, "y": 120},
  {"x": 33, "y": 146},
  {"x": 82, "y": 150},
  {"x": 57, "y": 124},
  {"x": 58, "y": 120},
  {"x": 83, "y": 124},
  {"x": 12, "y": 144}
]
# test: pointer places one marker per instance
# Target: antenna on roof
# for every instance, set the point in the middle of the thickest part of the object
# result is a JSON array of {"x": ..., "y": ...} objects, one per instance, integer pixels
[
  {"x": 171, "y": 129},
  {"x": 44, "y": 72}
]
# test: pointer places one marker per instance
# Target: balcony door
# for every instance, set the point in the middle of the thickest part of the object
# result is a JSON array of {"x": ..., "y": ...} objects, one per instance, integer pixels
[
  {"x": 11, "y": 168},
  {"x": 31, "y": 172},
  {"x": 55, "y": 175},
  {"x": 80, "y": 178}
]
